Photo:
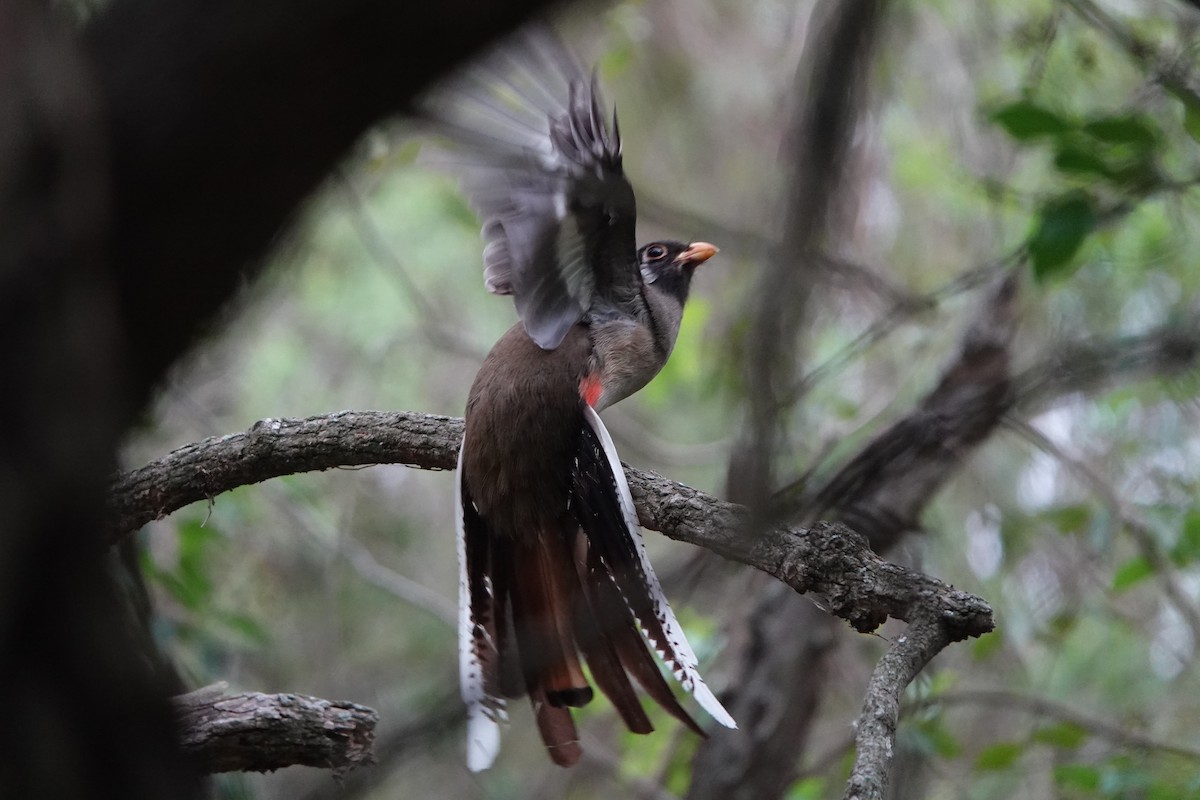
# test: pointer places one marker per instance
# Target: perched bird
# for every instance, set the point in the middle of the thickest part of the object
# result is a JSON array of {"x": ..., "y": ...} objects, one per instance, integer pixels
[{"x": 554, "y": 573}]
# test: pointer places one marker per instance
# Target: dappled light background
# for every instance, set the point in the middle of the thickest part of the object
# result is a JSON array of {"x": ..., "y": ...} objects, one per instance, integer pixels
[{"x": 988, "y": 127}]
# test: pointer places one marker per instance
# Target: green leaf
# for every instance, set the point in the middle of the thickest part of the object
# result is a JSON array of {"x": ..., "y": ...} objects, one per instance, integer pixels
[
  {"x": 1024, "y": 120},
  {"x": 189, "y": 581},
  {"x": 1072, "y": 158},
  {"x": 1130, "y": 129},
  {"x": 1131, "y": 572},
  {"x": 1001, "y": 755},
  {"x": 183, "y": 592},
  {"x": 1162, "y": 791},
  {"x": 1187, "y": 547},
  {"x": 1065, "y": 735},
  {"x": 807, "y": 789},
  {"x": 407, "y": 153},
  {"x": 246, "y": 627},
  {"x": 943, "y": 680},
  {"x": 1069, "y": 519},
  {"x": 942, "y": 741},
  {"x": 986, "y": 645},
  {"x": 1191, "y": 121},
  {"x": 1062, "y": 226},
  {"x": 194, "y": 537},
  {"x": 1077, "y": 776},
  {"x": 1062, "y": 623}
]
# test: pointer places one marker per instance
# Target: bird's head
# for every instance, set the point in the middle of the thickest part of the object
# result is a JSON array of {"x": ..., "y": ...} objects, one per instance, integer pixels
[{"x": 668, "y": 266}]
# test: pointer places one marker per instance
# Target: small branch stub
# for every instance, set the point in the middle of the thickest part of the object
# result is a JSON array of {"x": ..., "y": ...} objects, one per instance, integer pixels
[{"x": 254, "y": 732}]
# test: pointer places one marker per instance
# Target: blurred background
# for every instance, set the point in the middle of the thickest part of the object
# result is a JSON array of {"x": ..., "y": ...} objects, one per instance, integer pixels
[{"x": 1056, "y": 141}]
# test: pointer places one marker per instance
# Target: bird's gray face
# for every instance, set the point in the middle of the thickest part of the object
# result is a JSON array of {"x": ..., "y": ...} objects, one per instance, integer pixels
[{"x": 668, "y": 266}]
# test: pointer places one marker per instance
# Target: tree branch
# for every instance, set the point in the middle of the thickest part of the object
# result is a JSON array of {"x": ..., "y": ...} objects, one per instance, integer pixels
[
  {"x": 152, "y": 158},
  {"x": 832, "y": 79},
  {"x": 875, "y": 735},
  {"x": 1087, "y": 366},
  {"x": 275, "y": 447},
  {"x": 1172, "y": 74},
  {"x": 405, "y": 739},
  {"x": 828, "y": 560},
  {"x": 882, "y": 490},
  {"x": 254, "y": 732}
]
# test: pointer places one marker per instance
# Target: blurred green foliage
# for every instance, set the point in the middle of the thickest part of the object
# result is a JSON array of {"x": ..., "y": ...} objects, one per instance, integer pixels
[{"x": 1008, "y": 133}]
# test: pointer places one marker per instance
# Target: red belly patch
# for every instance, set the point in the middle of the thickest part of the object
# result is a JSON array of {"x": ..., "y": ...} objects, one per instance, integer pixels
[{"x": 590, "y": 389}]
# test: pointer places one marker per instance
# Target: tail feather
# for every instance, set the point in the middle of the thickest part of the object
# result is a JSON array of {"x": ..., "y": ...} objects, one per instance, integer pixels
[
  {"x": 626, "y": 558},
  {"x": 557, "y": 729},
  {"x": 527, "y": 611},
  {"x": 595, "y": 630},
  {"x": 478, "y": 612},
  {"x": 621, "y": 634},
  {"x": 543, "y": 593},
  {"x": 509, "y": 680}
]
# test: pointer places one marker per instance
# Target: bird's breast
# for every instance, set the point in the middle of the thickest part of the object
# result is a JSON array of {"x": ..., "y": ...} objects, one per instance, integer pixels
[{"x": 624, "y": 359}]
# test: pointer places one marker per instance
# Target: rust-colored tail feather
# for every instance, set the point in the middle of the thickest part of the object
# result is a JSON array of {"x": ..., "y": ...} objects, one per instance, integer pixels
[
  {"x": 595, "y": 635},
  {"x": 620, "y": 631},
  {"x": 557, "y": 729},
  {"x": 532, "y": 604},
  {"x": 543, "y": 597}
]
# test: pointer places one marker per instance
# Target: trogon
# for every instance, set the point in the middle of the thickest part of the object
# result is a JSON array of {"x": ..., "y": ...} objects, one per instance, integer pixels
[{"x": 554, "y": 572}]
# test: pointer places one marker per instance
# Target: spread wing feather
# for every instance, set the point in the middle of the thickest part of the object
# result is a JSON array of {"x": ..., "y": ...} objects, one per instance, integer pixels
[{"x": 543, "y": 170}]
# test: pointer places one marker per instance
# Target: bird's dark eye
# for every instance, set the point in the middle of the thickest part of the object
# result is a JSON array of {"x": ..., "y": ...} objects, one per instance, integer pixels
[{"x": 655, "y": 251}]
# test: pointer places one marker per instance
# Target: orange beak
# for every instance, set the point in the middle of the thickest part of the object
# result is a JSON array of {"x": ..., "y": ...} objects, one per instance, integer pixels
[{"x": 697, "y": 253}]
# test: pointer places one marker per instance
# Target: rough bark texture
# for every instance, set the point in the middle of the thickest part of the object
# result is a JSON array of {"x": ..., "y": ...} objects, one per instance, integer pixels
[
  {"x": 275, "y": 447},
  {"x": 779, "y": 659},
  {"x": 408, "y": 738},
  {"x": 875, "y": 735},
  {"x": 254, "y": 732},
  {"x": 882, "y": 490},
  {"x": 147, "y": 168},
  {"x": 830, "y": 561}
]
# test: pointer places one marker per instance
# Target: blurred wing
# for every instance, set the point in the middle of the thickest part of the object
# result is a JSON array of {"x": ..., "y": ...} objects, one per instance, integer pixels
[{"x": 544, "y": 172}]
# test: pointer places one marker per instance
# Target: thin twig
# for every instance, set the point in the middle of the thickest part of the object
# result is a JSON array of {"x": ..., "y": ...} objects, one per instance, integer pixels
[
  {"x": 404, "y": 588},
  {"x": 1143, "y": 538},
  {"x": 1174, "y": 77},
  {"x": 1043, "y": 707},
  {"x": 875, "y": 735},
  {"x": 429, "y": 318}
]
